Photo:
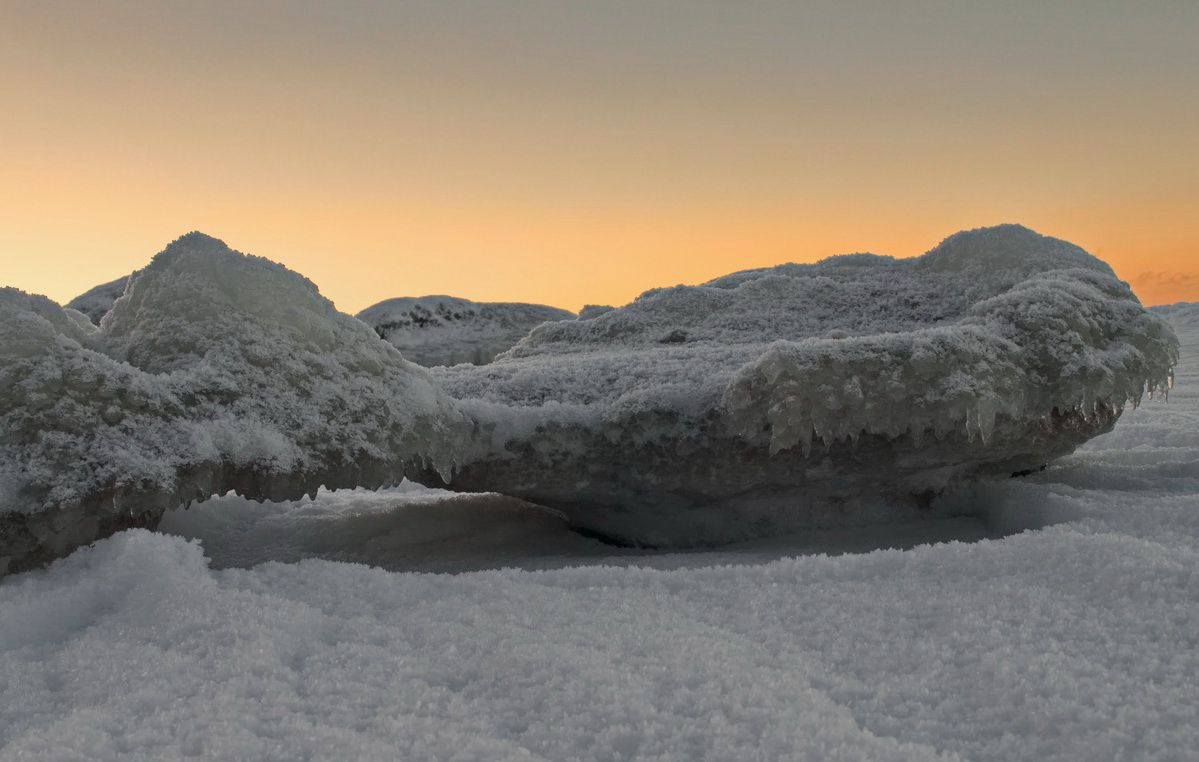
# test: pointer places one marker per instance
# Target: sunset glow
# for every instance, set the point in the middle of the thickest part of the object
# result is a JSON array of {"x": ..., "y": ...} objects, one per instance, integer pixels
[{"x": 570, "y": 153}]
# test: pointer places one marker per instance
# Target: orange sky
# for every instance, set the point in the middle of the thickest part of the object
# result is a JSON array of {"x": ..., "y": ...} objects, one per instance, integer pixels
[{"x": 569, "y": 153}]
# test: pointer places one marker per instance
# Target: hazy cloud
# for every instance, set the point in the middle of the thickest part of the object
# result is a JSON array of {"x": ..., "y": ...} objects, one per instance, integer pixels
[
  {"x": 1166, "y": 279},
  {"x": 1164, "y": 286}
]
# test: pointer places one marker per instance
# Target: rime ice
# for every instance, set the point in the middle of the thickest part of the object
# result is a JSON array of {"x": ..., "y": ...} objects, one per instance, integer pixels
[
  {"x": 848, "y": 391},
  {"x": 216, "y": 371}
]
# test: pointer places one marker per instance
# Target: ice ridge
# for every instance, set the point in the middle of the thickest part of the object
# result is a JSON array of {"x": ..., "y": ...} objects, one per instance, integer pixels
[{"x": 216, "y": 371}]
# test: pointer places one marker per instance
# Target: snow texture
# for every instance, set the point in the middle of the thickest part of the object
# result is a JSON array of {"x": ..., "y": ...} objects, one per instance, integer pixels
[
  {"x": 216, "y": 371},
  {"x": 97, "y": 302},
  {"x": 1074, "y": 642},
  {"x": 811, "y": 395},
  {"x": 446, "y": 330}
]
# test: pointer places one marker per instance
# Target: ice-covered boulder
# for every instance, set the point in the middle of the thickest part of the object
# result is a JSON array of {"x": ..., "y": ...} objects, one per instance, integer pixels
[
  {"x": 446, "y": 330},
  {"x": 96, "y": 302},
  {"x": 848, "y": 391},
  {"x": 216, "y": 371}
]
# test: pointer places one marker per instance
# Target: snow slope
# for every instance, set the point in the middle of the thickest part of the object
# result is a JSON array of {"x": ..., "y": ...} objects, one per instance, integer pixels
[
  {"x": 447, "y": 330},
  {"x": 1075, "y": 642}
]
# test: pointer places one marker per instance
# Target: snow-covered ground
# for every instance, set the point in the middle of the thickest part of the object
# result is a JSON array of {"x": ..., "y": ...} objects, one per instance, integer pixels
[{"x": 1064, "y": 625}]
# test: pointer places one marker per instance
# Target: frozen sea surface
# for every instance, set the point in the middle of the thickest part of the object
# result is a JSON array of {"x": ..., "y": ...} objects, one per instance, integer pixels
[{"x": 1063, "y": 625}]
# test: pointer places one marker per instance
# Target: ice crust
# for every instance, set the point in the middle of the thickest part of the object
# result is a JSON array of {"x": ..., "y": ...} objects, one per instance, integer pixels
[
  {"x": 96, "y": 302},
  {"x": 806, "y": 395},
  {"x": 447, "y": 330},
  {"x": 217, "y": 371},
  {"x": 849, "y": 391}
]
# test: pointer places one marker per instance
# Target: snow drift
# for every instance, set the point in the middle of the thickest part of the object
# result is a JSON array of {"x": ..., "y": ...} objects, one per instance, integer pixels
[
  {"x": 848, "y": 391},
  {"x": 217, "y": 371},
  {"x": 447, "y": 330}
]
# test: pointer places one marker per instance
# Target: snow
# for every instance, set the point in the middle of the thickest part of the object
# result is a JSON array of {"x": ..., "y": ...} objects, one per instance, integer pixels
[
  {"x": 1182, "y": 313},
  {"x": 1075, "y": 640},
  {"x": 216, "y": 371},
  {"x": 447, "y": 330},
  {"x": 848, "y": 392},
  {"x": 96, "y": 302},
  {"x": 805, "y": 396}
]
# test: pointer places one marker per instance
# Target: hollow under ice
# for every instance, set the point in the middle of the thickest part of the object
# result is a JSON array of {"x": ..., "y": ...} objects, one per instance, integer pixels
[{"x": 843, "y": 392}]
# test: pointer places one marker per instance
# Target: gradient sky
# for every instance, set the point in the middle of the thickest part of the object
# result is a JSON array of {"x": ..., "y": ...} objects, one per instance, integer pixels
[{"x": 565, "y": 153}]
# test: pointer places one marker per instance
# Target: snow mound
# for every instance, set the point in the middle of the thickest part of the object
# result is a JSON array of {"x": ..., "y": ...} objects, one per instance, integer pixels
[
  {"x": 1179, "y": 313},
  {"x": 446, "y": 330},
  {"x": 848, "y": 391},
  {"x": 217, "y": 371},
  {"x": 98, "y": 301}
]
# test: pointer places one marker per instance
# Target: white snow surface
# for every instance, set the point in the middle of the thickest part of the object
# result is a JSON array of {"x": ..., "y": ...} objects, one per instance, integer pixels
[
  {"x": 96, "y": 302},
  {"x": 1067, "y": 628},
  {"x": 448, "y": 330}
]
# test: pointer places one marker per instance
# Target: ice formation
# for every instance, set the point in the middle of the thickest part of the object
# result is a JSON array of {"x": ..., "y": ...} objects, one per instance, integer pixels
[
  {"x": 805, "y": 395},
  {"x": 96, "y": 302},
  {"x": 446, "y": 330},
  {"x": 216, "y": 371},
  {"x": 844, "y": 392}
]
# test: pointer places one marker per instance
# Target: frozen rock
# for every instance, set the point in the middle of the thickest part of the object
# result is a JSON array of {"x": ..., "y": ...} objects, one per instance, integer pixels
[
  {"x": 446, "y": 330},
  {"x": 216, "y": 371},
  {"x": 848, "y": 391},
  {"x": 98, "y": 301}
]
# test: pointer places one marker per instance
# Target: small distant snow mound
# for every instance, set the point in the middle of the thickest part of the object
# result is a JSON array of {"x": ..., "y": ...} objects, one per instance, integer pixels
[
  {"x": 216, "y": 371},
  {"x": 1181, "y": 314},
  {"x": 98, "y": 301},
  {"x": 847, "y": 391},
  {"x": 447, "y": 330},
  {"x": 594, "y": 310}
]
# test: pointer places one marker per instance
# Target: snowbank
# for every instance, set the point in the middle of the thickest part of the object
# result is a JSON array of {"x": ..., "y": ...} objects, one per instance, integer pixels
[
  {"x": 446, "y": 330},
  {"x": 217, "y": 371},
  {"x": 848, "y": 391}
]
